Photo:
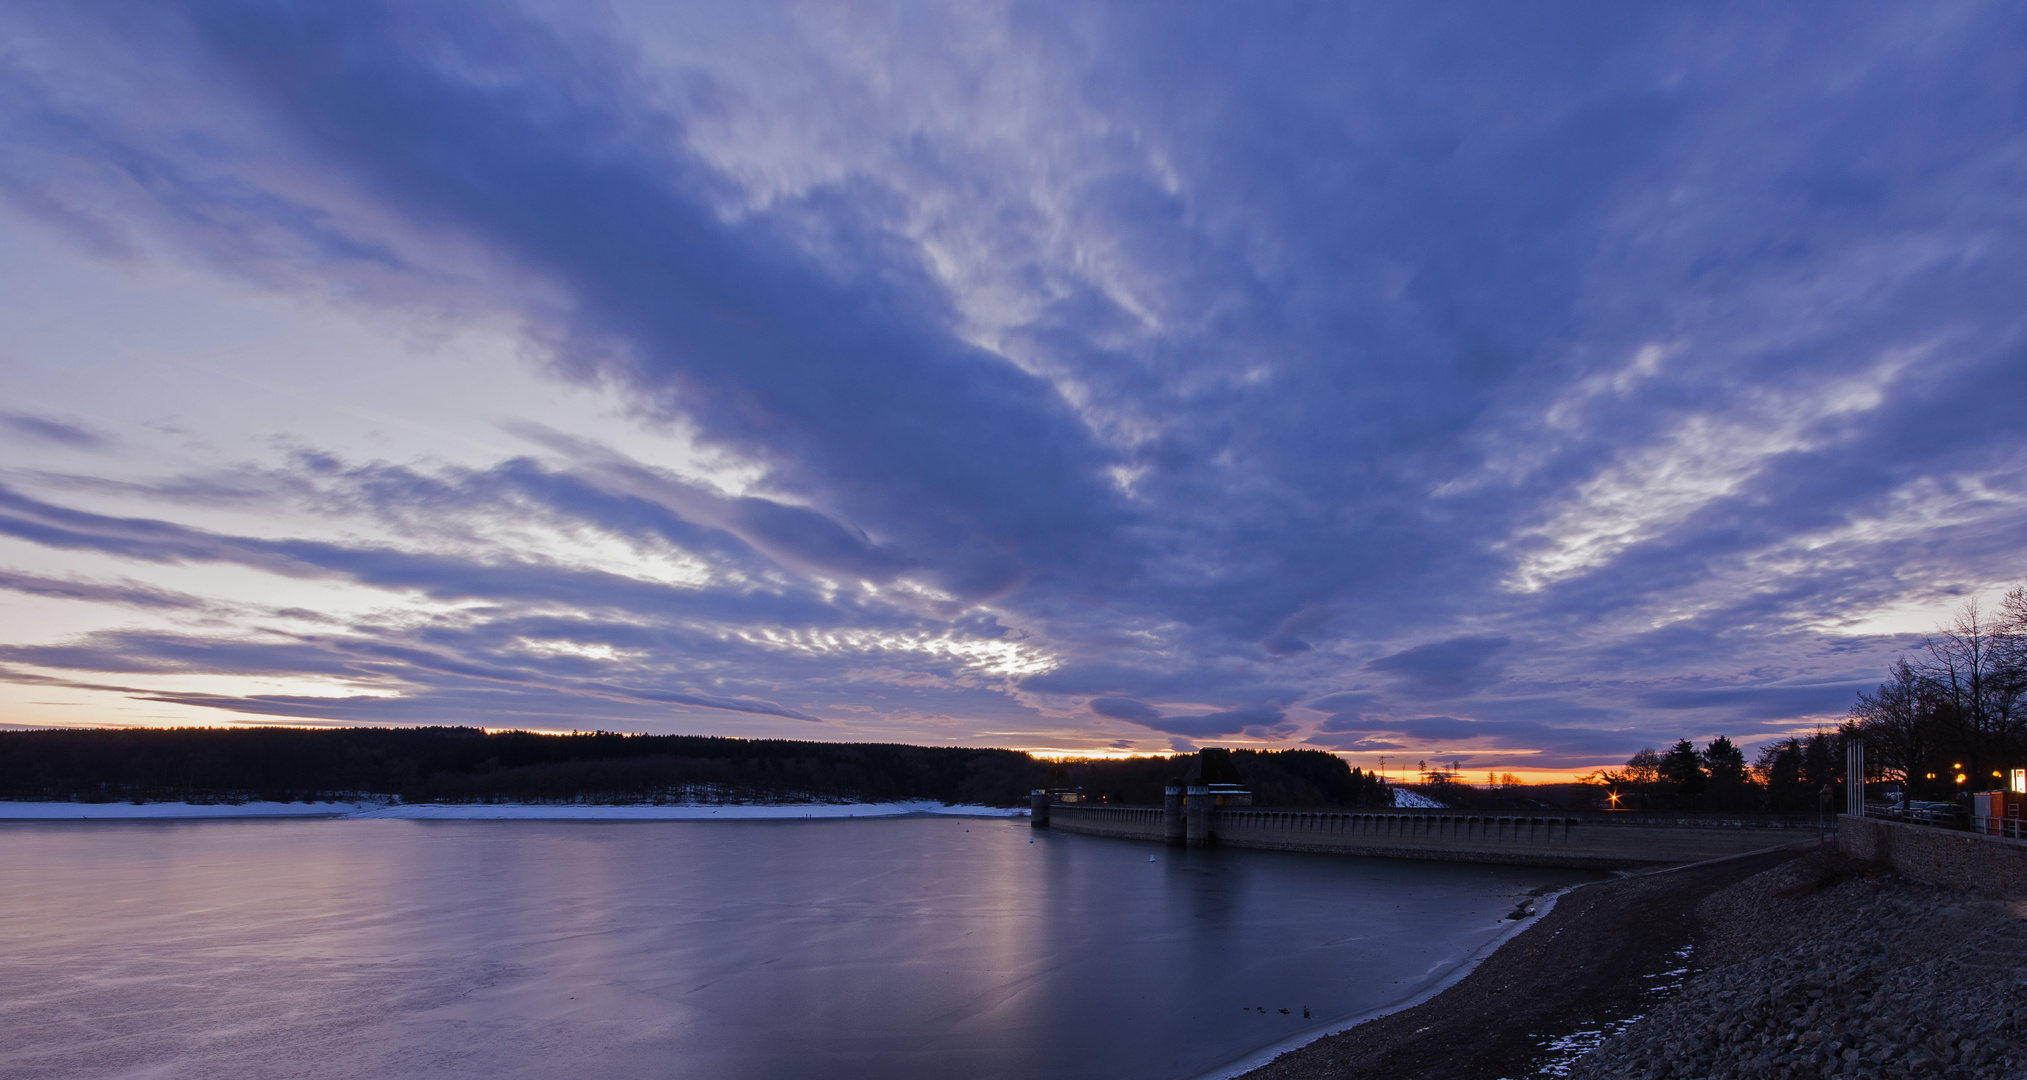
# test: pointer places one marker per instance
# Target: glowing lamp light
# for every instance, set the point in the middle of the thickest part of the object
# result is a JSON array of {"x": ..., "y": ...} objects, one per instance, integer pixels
[
  {"x": 2019, "y": 784},
  {"x": 1960, "y": 778}
]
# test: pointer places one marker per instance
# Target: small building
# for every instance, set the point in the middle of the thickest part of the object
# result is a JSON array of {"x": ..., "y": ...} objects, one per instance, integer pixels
[
  {"x": 1215, "y": 773},
  {"x": 1058, "y": 786}
]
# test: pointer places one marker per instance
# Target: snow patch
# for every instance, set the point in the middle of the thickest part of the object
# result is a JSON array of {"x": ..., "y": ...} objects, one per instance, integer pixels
[
  {"x": 726, "y": 812},
  {"x": 168, "y": 811},
  {"x": 1416, "y": 800},
  {"x": 113, "y": 811}
]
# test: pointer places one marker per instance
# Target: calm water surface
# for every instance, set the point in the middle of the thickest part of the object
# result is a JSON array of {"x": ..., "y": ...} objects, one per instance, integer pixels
[{"x": 897, "y": 948}]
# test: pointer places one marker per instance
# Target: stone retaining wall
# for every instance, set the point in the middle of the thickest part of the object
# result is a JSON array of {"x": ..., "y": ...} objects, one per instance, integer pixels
[{"x": 1989, "y": 865}]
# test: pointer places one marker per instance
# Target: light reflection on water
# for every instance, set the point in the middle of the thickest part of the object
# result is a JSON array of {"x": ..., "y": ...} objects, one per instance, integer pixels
[{"x": 897, "y": 948}]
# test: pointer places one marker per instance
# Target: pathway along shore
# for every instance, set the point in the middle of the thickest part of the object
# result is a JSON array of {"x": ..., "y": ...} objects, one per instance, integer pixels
[{"x": 1798, "y": 965}]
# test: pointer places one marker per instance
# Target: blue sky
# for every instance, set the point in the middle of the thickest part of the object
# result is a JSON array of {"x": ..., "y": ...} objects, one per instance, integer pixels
[{"x": 1523, "y": 384}]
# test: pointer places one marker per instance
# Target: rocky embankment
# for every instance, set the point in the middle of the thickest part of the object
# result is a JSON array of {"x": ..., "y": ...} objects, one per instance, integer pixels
[{"x": 1819, "y": 969}]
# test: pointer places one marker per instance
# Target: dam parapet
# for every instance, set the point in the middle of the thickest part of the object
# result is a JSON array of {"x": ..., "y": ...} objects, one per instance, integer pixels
[
  {"x": 1209, "y": 806},
  {"x": 1603, "y": 840}
]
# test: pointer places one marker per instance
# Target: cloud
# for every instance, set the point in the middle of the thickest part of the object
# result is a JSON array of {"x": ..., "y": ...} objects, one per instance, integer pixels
[
  {"x": 1287, "y": 637},
  {"x": 349, "y": 660},
  {"x": 1543, "y": 745},
  {"x": 1255, "y": 721},
  {"x": 981, "y": 364},
  {"x": 1446, "y": 668},
  {"x": 1767, "y": 702},
  {"x": 1351, "y": 701},
  {"x": 50, "y": 430},
  {"x": 1125, "y": 709},
  {"x": 127, "y": 593}
]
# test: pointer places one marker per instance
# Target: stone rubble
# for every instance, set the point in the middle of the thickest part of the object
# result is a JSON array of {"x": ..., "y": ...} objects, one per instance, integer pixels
[{"x": 1820, "y": 968}]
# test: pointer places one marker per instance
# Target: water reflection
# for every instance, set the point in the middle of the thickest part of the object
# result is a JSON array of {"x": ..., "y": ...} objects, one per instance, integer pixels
[{"x": 890, "y": 948}]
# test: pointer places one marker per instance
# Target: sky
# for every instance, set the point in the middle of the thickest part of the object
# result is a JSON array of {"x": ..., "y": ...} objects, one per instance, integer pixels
[{"x": 1517, "y": 385}]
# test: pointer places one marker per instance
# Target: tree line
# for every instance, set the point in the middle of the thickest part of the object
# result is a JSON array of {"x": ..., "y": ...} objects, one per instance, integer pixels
[
  {"x": 450, "y": 764},
  {"x": 1952, "y": 715},
  {"x": 1787, "y": 776},
  {"x": 1275, "y": 777}
]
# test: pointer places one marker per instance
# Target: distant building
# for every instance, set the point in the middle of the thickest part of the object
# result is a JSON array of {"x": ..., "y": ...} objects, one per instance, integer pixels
[
  {"x": 1058, "y": 786},
  {"x": 1214, "y": 772}
]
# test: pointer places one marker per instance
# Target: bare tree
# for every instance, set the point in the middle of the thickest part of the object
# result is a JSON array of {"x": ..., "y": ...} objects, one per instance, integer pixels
[
  {"x": 1644, "y": 768},
  {"x": 1966, "y": 665},
  {"x": 2011, "y": 644},
  {"x": 1900, "y": 722}
]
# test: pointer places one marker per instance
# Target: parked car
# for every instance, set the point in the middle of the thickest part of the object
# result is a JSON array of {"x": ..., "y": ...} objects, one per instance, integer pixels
[{"x": 1938, "y": 813}]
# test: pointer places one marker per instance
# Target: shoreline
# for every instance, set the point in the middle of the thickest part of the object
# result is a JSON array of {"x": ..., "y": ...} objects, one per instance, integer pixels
[
  {"x": 1539, "y": 909},
  {"x": 361, "y": 810},
  {"x": 1539, "y": 993}
]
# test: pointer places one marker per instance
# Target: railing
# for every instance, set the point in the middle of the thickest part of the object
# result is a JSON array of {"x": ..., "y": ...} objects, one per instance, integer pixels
[
  {"x": 1119, "y": 819},
  {"x": 2007, "y": 826},
  {"x": 1142, "y": 815},
  {"x": 1686, "y": 818}
]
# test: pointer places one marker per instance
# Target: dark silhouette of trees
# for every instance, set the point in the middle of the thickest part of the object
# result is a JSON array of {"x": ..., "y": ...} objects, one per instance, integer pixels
[
  {"x": 1640, "y": 784},
  {"x": 1275, "y": 777},
  {"x": 1729, "y": 786},
  {"x": 1683, "y": 767},
  {"x": 1966, "y": 671},
  {"x": 469, "y": 765},
  {"x": 1644, "y": 768},
  {"x": 1781, "y": 776},
  {"x": 1904, "y": 730},
  {"x": 1723, "y": 762},
  {"x": 1717, "y": 778},
  {"x": 1823, "y": 760},
  {"x": 466, "y": 764},
  {"x": 1958, "y": 704}
]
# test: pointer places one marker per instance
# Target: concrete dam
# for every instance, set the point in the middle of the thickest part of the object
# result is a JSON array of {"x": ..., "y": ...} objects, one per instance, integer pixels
[{"x": 1596, "y": 840}]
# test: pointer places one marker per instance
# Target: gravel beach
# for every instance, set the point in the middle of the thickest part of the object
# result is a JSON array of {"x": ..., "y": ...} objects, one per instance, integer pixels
[
  {"x": 1599, "y": 957},
  {"x": 1785, "y": 965},
  {"x": 1821, "y": 968}
]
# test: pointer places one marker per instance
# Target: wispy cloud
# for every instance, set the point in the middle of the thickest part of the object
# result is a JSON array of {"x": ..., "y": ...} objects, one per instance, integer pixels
[{"x": 51, "y": 430}]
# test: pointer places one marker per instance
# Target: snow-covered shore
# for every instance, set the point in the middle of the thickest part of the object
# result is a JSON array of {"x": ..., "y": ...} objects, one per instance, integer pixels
[
  {"x": 165, "y": 811},
  {"x": 169, "y": 811},
  {"x": 570, "y": 812}
]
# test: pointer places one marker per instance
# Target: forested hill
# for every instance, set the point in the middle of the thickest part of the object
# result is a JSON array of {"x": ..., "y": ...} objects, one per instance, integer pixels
[{"x": 466, "y": 764}]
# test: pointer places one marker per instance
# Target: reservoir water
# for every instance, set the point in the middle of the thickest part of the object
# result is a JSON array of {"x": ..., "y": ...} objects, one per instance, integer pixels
[{"x": 746, "y": 950}]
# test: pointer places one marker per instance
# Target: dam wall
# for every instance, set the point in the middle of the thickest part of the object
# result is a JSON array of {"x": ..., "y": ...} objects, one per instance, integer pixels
[
  {"x": 1119, "y": 822},
  {"x": 1595, "y": 841}
]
